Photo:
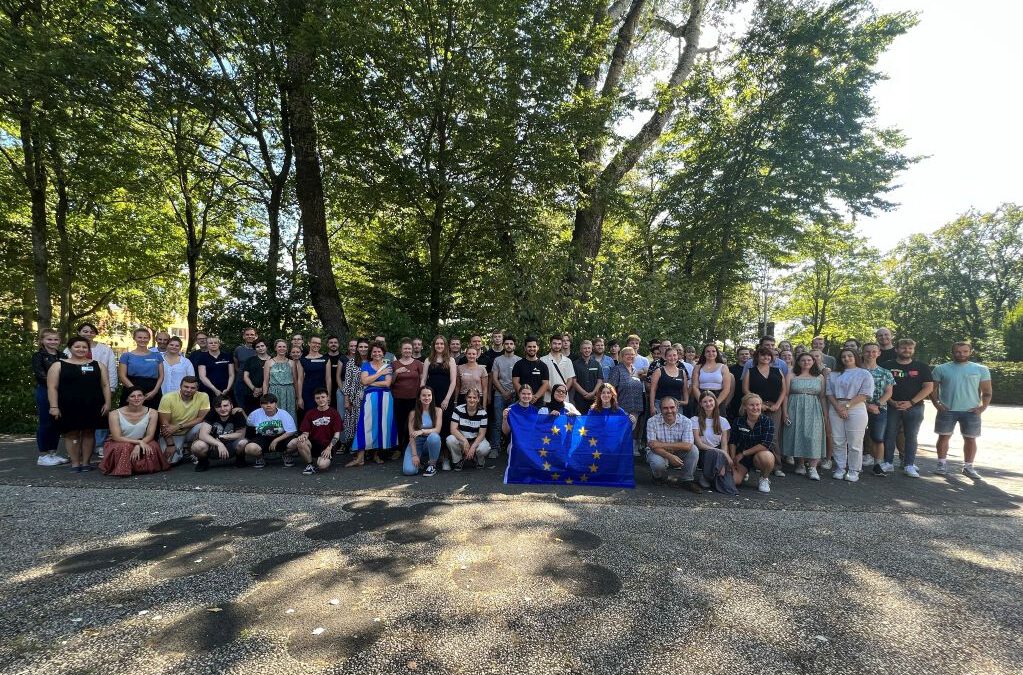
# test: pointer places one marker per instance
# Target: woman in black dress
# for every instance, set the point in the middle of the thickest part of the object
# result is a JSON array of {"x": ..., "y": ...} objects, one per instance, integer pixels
[
  {"x": 441, "y": 376},
  {"x": 79, "y": 395}
]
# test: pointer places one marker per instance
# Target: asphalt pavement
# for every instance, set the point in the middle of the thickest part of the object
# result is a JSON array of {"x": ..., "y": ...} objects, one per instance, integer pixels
[{"x": 368, "y": 571}]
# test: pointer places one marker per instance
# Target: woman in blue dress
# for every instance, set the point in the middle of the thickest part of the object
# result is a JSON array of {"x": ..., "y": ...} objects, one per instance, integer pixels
[
  {"x": 376, "y": 430},
  {"x": 313, "y": 373}
]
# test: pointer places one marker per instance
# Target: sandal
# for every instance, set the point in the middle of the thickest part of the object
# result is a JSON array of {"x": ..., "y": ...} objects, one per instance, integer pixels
[
  {"x": 355, "y": 462},
  {"x": 377, "y": 460}
]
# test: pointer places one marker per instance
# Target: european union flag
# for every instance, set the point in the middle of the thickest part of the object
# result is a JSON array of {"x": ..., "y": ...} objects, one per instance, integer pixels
[{"x": 564, "y": 450}]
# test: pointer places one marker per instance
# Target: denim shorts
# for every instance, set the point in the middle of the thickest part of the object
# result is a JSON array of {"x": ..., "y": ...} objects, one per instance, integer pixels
[
  {"x": 876, "y": 424},
  {"x": 969, "y": 423}
]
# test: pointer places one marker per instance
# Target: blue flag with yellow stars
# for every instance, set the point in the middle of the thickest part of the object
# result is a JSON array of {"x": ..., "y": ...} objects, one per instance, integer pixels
[{"x": 570, "y": 450}]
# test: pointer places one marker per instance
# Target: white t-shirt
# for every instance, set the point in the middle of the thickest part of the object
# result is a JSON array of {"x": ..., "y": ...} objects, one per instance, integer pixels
[
  {"x": 281, "y": 423},
  {"x": 709, "y": 437}
]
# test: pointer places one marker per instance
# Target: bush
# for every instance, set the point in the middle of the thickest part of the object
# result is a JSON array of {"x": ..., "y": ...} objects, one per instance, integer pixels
[
  {"x": 1007, "y": 382},
  {"x": 1013, "y": 333},
  {"x": 17, "y": 388}
]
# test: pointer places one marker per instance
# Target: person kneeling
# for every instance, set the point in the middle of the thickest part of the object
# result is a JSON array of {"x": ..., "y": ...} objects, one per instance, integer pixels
[
  {"x": 670, "y": 435},
  {"x": 270, "y": 429},
  {"x": 424, "y": 435},
  {"x": 468, "y": 438},
  {"x": 221, "y": 433},
  {"x": 753, "y": 444},
  {"x": 320, "y": 434}
]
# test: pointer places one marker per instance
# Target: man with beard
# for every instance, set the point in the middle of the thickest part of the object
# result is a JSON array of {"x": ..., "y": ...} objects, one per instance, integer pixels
[{"x": 962, "y": 392}]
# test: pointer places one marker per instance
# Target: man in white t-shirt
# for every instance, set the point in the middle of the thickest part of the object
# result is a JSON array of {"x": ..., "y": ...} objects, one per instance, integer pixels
[
  {"x": 560, "y": 367},
  {"x": 270, "y": 430}
]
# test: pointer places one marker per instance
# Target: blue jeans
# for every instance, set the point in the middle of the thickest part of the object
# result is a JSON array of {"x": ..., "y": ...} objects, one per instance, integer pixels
[
  {"x": 911, "y": 420},
  {"x": 495, "y": 424},
  {"x": 876, "y": 424},
  {"x": 47, "y": 436},
  {"x": 425, "y": 447}
]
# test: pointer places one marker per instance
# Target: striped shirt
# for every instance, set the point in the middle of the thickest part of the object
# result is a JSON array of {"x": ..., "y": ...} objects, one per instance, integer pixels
[{"x": 469, "y": 425}]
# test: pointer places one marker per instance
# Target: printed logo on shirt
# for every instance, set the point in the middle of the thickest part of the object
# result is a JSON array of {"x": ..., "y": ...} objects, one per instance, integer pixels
[
  {"x": 271, "y": 427},
  {"x": 321, "y": 422},
  {"x": 87, "y": 369}
]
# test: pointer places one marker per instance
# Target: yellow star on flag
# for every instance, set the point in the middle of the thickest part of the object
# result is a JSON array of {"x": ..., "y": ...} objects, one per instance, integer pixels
[
  {"x": 568, "y": 481},
  {"x": 546, "y": 440},
  {"x": 593, "y": 468},
  {"x": 593, "y": 442},
  {"x": 542, "y": 452},
  {"x": 583, "y": 478},
  {"x": 546, "y": 466},
  {"x": 555, "y": 476},
  {"x": 596, "y": 454},
  {"x": 582, "y": 431},
  {"x": 555, "y": 429},
  {"x": 568, "y": 426}
]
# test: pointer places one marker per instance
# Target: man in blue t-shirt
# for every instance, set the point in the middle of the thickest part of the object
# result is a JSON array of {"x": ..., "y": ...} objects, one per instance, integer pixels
[{"x": 962, "y": 392}]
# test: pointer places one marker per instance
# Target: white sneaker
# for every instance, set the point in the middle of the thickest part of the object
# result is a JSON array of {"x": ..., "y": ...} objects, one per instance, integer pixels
[
  {"x": 61, "y": 459},
  {"x": 764, "y": 485},
  {"x": 971, "y": 472},
  {"x": 801, "y": 469},
  {"x": 99, "y": 452},
  {"x": 778, "y": 472},
  {"x": 839, "y": 474},
  {"x": 868, "y": 460},
  {"x": 812, "y": 474},
  {"x": 911, "y": 471},
  {"x": 852, "y": 476},
  {"x": 898, "y": 462},
  {"x": 48, "y": 460},
  {"x": 941, "y": 469},
  {"x": 887, "y": 467},
  {"x": 445, "y": 465},
  {"x": 790, "y": 460}
]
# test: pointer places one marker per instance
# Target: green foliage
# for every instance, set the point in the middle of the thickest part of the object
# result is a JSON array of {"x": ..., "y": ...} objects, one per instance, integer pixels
[
  {"x": 17, "y": 388},
  {"x": 1007, "y": 382},
  {"x": 1013, "y": 334}
]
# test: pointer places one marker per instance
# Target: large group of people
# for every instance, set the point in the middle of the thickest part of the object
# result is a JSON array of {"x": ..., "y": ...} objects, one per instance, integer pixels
[{"x": 697, "y": 420}]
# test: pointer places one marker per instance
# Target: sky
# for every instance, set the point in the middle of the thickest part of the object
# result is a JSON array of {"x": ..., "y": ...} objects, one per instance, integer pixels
[{"x": 954, "y": 88}]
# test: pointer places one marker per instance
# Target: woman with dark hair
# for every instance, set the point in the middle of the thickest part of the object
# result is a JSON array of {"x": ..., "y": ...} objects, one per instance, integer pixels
[
  {"x": 78, "y": 391},
  {"x": 313, "y": 372},
  {"x": 767, "y": 382},
  {"x": 279, "y": 378},
  {"x": 804, "y": 408},
  {"x": 408, "y": 372},
  {"x": 215, "y": 369},
  {"x": 353, "y": 392},
  {"x": 142, "y": 368},
  {"x": 441, "y": 375},
  {"x": 424, "y": 435},
  {"x": 849, "y": 387},
  {"x": 559, "y": 402},
  {"x": 711, "y": 374},
  {"x": 376, "y": 431},
  {"x": 253, "y": 376},
  {"x": 132, "y": 447},
  {"x": 670, "y": 379},
  {"x": 47, "y": 436}
]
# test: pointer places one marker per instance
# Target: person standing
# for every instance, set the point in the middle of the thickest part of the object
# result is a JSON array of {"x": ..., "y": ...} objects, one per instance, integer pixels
[
  {"x": 670, "y": 444},
  {"x": 849, "y": 387},
  {"x": 336, "y": 365},
  {"x": 455, "y": 346},
  {"x": 162, "y": 337},
  {"x": 742, "y": 356},
  {"x": 962, "y": 392},
  {"x": 408, "y": 373},
  {"x": 805, "y": 438},
  {"x": 142, "y": 368},
  {"x": 441, "y": 376},
  {"x": 78, "y": 391},
  {"x": 242, "y": 353},
  {"x": 711, "y": 374},
  {"x": 889, "y": 351},
  {"x": 495, "y": 350},
  {"x": 353, "y": 390},
  {"x": 588, "y": 377},
  {"x": 559, "y": 367},
  {"x": 313, "y": 373},
  {"x": 471, "y": 375},
  {"x": 376, "y": 431},
  {"x": 819, "y": 344},
  {"x": 253, "y": 376},
  {"x": 668, "y": 380},
  {"x": 47, "y": 435},
  {"x": 279, "y": 378},
  {"x": 503, "y": 388},
  {"x": 532, "y": 371},
  {"x": 388, "y": 356},
  {"x": 175, "y": 367},
  {"x": 216, "y": 370},
  {"x": 877, "y": 407},
  {"x": 606, "y": 362},
  {"x": 417, "y": 350},
  {"x": 197, "y": 354},
  {"x": 913, "y": 384}
]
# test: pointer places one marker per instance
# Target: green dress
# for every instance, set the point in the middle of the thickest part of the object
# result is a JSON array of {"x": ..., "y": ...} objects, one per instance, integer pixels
[
  {"x": 804, "y": 437},
  {"x": 282, "y": 385}
]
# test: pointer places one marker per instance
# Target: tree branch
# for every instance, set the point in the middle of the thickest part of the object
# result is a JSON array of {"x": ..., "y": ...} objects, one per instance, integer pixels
[{"x": 623, "y": 47}]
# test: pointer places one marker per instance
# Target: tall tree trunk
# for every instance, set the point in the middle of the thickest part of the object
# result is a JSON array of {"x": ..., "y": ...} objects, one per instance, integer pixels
[
  {"x": 308, "y": 177},
  {"x": 278, "y": 182},
  {"x": 436, "y": 269},
  {"x": 63, "y": 243},
  {"x": 35, "y": 182}
]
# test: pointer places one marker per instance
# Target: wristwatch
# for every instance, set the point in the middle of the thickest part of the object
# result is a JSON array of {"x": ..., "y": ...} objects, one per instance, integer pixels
[{"x": 847, "y": 405}]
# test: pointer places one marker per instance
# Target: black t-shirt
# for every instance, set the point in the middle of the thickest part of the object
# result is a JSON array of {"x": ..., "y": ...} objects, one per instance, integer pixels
[
  {"x": 235, "y": 422},
  {"x": 889, "y": 354},
  {"x": 488, "y": 358},
  {"x": 910, "y": 378},
  {"x": 532, "y": 373}
]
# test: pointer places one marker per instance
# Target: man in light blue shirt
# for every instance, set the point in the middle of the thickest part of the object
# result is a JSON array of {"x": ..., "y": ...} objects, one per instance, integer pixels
[
  {"x": 768, "y": 341},
  {"x": 962, "y": 392}
]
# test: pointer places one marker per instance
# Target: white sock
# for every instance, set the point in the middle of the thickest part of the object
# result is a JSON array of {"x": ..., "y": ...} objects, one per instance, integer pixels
[{"x": 968, "y": 465}]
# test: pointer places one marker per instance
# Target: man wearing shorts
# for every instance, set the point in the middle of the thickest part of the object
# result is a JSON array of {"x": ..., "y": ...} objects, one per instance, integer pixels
[
  {"x": 320, "y": 434},
  {"x": 181, "y": 413},
  {"x": 221, "y": 433},
  {"x": 270, "y": 429},
  {"x": 962, "y": 392}
]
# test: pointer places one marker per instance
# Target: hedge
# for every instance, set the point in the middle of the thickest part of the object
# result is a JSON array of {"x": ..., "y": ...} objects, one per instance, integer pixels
[{"x": 1007, "y": 382}]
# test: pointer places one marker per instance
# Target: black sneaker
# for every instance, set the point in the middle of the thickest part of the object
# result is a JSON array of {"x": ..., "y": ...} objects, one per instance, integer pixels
[
  {"x": 289, "y": 461},
  {"x": 202, "y": 465},
  {"x": 490, "y": 463},
  {"x": 260, "y": 464},
  {"x": 430, "y": 470},
  {"x": 457, "y": 466},
  {"x": 878, "y": 471},
  {"x": 308, "y": 470}
]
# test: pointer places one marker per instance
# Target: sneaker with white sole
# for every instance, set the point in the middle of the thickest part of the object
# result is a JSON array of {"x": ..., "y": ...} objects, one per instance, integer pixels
[
  {"x": 259, "y": 464},
  {"x": 430, "y": 470},
  {"x": 445, "y": 465},
  {"x": 971, "y": 472},
  {"x": 46, "y": 459},
  {"x": 887, "y": 467},
  {"x": 941, "y": 469},
  {"x": 764, "y": 485},
  {"x": 800, "y": 469},
  {"x": 852, "y": 476},
  {"x": 778, "y": 472},
  {"x": 911, "y": 471},
  {"x": 289, "y": 460},
  {"x": 812, "y": 473},
  {"x": 308, "y": 470},
  {"x": 868, "y": 460},
  {"x": 839, "y": 474}
]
